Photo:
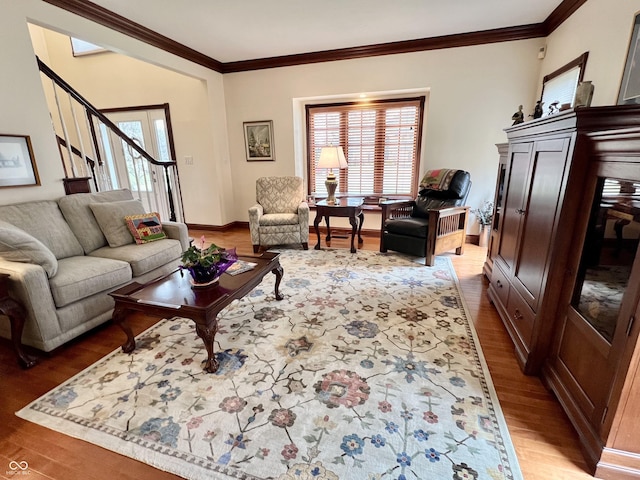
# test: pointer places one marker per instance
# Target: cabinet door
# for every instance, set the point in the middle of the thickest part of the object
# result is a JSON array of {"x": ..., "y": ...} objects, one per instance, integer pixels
[
  {"x": 603, "y": 300},
  {"x": 539, "y": 210},
  {"x": 517, "y": 169}
]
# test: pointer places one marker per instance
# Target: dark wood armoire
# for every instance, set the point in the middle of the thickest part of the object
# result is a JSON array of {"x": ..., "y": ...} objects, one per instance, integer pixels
[{"x": 565, "y": 271}]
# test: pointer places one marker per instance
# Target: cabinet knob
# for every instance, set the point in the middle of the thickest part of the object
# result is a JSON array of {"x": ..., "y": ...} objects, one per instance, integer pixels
[
  {"x": 519, "y": 211},
  {"x": 517, "y": 315}
]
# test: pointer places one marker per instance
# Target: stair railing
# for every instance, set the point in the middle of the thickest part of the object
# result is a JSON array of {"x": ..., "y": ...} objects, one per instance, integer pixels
[{"x": 94, "y": 167}]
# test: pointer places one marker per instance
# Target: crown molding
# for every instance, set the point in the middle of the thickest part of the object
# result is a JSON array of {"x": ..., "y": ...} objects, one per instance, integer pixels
[
  {"x": 560, "y": 14},
  {"x": 109, "y": 19},
  {"x": 407, "y": 46}
]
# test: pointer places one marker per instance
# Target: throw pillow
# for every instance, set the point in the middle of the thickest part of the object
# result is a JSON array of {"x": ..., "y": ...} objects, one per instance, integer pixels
[
  {"x": 145, "y": 228},
  {"x": 16, "y": 245},
  {"x": 110, "y": 218}
]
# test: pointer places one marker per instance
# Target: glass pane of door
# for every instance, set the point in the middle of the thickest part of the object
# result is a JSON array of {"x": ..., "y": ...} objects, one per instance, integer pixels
[
  {"x": 137, "y": 168},
  {"x": 610, "y": 249}
]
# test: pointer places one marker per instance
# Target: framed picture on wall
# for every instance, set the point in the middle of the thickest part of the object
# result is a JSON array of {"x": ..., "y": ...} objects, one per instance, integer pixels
[
  {"x": 17, "y": 163},
  {"x": 630, "y": 87},
  {"x": 258, "y": 141}
]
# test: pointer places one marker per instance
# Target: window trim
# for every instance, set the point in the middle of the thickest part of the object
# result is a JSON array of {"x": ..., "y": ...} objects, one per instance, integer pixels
[{"x": 420, "y": 99}]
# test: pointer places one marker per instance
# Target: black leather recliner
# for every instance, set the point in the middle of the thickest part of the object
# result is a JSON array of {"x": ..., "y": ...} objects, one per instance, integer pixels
[{"x": 433, "y": 223}]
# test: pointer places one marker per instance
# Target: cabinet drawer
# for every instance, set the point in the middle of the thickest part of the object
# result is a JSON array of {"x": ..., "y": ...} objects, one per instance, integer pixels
[
  {"x": 500, "y": 283},
  {"x": 521, "y": 317}
]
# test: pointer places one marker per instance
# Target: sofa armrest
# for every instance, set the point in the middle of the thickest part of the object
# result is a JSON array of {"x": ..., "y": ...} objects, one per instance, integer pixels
[
  {"x": 177, "y": 231},
  {"x": 29, "y": 285}
]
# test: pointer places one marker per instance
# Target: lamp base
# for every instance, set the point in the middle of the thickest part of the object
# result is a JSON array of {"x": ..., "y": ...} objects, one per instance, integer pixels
[{"x": 331, "y": 184}]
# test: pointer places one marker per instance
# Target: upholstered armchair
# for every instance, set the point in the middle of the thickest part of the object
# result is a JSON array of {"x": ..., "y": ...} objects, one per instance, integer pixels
[
  {"x": 434, "y": 223},
  {"x": 281, "y": 214}
]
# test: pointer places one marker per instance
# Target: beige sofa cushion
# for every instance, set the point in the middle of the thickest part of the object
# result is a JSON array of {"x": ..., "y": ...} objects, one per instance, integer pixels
[
  {"x": 81, "y": 277},
  {"x": 145, "y": 257},
  {"x": 81, "y": 219},
  {"x": 16, "y": 245},
  {"x": 44, "y": 221},
  {"x": 111, "y": 218}
]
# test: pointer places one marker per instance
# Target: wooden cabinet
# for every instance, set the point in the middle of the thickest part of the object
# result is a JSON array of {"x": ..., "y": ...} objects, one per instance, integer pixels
[
  {"x": 565, "y": 274},
  {"x": 539, "y": 165}
]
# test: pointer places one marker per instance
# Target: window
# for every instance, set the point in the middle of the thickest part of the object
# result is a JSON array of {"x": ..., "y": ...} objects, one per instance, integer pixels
[{"x": 381, "y": 142}]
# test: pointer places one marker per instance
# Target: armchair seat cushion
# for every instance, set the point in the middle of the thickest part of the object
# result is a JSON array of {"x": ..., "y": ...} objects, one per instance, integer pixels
[
  {"x": 272, "y": 219},
  {"x": 413, "y": 227}
]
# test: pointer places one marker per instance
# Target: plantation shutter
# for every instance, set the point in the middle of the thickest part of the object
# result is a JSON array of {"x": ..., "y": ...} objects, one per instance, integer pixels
[{"x": 381, "y": 142}]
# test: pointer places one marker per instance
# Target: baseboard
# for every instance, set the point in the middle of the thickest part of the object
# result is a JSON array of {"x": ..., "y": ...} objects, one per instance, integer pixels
[
  {"x": 618, "y": 465},
  {"x": 217, "y": 228},
  {"x": 336, "y": 231}
]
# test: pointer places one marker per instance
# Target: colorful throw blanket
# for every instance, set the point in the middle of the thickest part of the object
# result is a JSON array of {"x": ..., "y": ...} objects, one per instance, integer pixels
[{"x": 437, "y": 179}]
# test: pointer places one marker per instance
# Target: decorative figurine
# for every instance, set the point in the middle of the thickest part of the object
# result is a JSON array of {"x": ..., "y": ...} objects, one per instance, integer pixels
[
  {"x": 518, "y": 117},
  {"x": 537, "y": 111},
  {"x": 553, "y": 107},
  {"x": 584, "y": 94}
]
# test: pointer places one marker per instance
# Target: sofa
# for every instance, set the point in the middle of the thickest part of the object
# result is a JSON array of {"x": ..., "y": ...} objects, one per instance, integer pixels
[{"x": 64, "y": 256}]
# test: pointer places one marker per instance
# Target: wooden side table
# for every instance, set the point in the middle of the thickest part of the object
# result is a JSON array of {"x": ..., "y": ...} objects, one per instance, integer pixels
[
  {"x": 347, "y": 207},
  {"x": 12, "y": 309}
]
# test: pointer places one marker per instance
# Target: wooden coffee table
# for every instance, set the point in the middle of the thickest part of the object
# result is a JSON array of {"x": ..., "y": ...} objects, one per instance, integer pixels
[{"x": 174, "y": 295}]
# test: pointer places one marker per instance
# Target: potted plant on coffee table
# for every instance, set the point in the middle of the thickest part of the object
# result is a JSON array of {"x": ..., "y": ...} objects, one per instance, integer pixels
[{"x": 205, "y": 265}]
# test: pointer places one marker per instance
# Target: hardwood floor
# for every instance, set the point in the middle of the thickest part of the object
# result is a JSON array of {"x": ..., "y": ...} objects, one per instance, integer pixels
[{"x": 544, "y": 440}]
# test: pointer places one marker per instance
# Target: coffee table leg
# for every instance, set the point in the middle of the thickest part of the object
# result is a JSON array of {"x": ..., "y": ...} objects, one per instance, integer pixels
[
  {"x": 278, "y": 272},
  {"x": 208, "y": 334},
  {"x": 120, "y": 319}
]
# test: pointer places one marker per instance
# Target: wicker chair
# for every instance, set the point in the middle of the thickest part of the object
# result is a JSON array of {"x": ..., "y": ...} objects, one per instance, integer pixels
[{"x": 434, "y": 223}]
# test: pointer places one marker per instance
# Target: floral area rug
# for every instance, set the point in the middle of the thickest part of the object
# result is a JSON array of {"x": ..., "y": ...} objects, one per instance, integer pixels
[{"x": 368, "y": 369}]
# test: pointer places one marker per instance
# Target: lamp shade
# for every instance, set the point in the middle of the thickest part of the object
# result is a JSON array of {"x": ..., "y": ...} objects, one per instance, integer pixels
[{"x": 332, "y": 157}]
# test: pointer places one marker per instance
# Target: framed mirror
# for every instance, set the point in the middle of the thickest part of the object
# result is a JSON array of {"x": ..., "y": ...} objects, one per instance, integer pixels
[{"x": 560, "y": 86}]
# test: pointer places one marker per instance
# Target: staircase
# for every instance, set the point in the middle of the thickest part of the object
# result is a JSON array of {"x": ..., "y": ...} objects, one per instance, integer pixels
[{"x": 86, "y": 153}]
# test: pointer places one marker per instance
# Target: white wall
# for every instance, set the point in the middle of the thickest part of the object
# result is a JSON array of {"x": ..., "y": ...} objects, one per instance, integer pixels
[
  {"x": 473, "y": 92},
  {"x": 602, "y": 28},
  {"x": 136, "y": 83},
  {"x": 201, "y": 123}
]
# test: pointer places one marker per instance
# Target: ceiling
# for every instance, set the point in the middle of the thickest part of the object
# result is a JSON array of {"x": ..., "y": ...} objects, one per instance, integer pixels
[{"x": 227, "y": 31}]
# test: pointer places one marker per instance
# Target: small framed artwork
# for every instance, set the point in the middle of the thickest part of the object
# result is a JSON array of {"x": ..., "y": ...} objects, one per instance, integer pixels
[
  {"x": 17, "y": 163},
  {"x": 630, "y": 87},
  {"x": 258, "y": 141}
]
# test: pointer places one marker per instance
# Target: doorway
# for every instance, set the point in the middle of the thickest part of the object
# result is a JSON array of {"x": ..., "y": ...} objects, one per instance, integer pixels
[{"x": 150, "y": 128}]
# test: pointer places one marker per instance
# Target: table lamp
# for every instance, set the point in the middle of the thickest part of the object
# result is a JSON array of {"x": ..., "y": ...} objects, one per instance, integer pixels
[{"x": 332, "y": 157}]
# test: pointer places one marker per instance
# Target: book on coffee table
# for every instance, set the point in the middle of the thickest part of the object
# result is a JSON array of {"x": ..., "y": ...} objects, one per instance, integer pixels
[{"x": 240, "y": 266}]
